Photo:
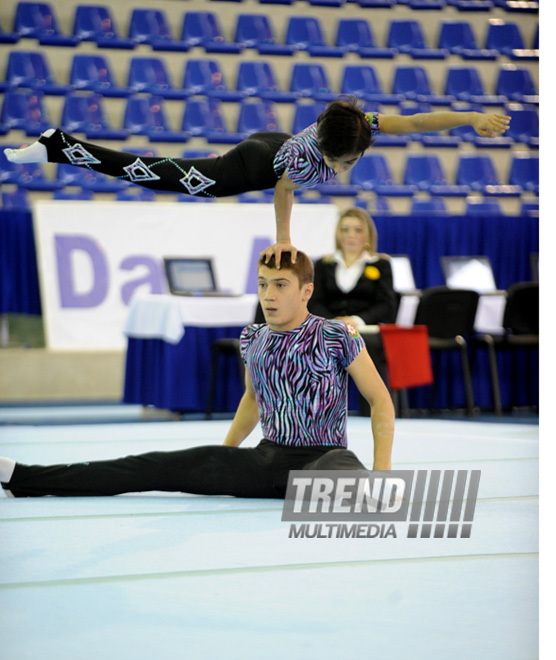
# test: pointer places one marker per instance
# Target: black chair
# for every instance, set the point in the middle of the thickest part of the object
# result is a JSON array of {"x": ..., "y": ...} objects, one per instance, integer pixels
[
  {"x": 449, "y": 315},
  {"x": 226, "y": 346},
  {"x": 521, "y": 330}
]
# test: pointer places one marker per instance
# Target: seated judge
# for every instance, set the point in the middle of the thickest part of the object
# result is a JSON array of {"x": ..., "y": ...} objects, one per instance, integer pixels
[{"x": 354, "y": 284}]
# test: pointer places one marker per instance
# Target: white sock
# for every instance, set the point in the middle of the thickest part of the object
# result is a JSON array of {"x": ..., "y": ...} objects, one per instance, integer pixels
[
  {"x": 34, "y": 153},
  {"x": 7, "y": 466}
]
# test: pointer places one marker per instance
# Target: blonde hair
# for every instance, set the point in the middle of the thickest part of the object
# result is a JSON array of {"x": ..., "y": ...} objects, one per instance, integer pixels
[{"x": 368, "y": 225}]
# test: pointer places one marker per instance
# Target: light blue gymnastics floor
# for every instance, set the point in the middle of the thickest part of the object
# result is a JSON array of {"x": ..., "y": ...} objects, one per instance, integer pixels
[{"x": 175, "y": 576}]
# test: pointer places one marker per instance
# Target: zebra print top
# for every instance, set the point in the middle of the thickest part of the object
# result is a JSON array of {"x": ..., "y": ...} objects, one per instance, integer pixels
[
  {"x": 300, "y": 379},
  {"x": 302, "y": 160}
]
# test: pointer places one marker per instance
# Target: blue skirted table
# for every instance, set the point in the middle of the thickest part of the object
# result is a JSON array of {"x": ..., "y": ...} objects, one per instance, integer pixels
[{"x": 169, "y": 350}]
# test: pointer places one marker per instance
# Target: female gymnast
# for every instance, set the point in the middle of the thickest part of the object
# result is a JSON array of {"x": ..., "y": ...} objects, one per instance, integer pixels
[{"x": 332, "y": 145}]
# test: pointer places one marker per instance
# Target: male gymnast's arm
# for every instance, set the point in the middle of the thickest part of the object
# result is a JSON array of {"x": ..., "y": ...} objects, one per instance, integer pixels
[
  {"x": 371, "y": 386},
  {"x": 246, "y": 417},
  {"x": 283, "y": 202},
  {"x": 485, "y": 124}
]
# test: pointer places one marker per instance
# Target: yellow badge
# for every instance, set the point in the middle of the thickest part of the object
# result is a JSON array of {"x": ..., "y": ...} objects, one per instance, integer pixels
[{"x": 372, "y": 273}]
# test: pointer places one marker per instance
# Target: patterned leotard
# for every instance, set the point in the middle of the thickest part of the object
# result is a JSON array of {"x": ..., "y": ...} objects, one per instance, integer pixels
[
  {"x": 300, "y": 380},
  {"x": 302, "y": 160}
]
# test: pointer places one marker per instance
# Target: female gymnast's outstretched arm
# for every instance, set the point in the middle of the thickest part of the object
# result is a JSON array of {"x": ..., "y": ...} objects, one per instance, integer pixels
[{"x": 332, "y": 145}]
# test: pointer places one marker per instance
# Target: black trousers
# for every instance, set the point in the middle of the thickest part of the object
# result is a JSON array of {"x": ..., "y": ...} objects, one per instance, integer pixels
[
  {"x": 246, "y": 167},
  {"x": 261, "y": 471}
]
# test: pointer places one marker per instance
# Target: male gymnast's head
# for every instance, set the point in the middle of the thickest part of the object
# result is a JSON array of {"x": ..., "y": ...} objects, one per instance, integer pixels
[{"x": 285, "y": 292}]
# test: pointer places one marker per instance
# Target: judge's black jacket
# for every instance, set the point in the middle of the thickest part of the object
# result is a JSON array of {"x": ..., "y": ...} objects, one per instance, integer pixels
[{"x": 372, "y": 298}]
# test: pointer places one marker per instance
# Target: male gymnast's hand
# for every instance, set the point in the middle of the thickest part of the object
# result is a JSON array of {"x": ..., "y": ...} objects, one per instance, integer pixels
[{"x": 277, "y": 249}]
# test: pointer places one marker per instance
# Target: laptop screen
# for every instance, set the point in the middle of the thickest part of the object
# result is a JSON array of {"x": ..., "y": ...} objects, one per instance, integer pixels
[
  {"x": 402, "y": 273},
  {"x": 189, "y": 275},
  {"x": 473, "y": 273}
]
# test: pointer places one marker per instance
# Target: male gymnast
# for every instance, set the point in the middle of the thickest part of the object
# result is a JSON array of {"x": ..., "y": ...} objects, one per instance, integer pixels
[{"x": 296, "y": 385}]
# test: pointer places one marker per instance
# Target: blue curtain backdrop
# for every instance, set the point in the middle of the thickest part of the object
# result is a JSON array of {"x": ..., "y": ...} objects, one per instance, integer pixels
[
  {"x": 507, "y": 240},
  {"x": 19, "y": 281}
]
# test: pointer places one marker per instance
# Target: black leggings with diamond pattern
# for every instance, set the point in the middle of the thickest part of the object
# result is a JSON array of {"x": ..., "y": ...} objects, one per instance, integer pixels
[{"x": 247, "y": 166}]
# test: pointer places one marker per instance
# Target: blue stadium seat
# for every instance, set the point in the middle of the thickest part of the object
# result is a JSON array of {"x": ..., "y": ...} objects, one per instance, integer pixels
[
  {"x": 36, "y": 20},
  {"x": 516, "y": 84},
  {"x": 84, "y": 113},
  {"x": 94, "y": 73},
  {"x": 306, "y": 33},
  {"x": 201, "y": 28},
  {"x": 135, "y": 194},
  {"x": 95, "y": 23},
  {"x": 8, "y": 37},
  {"x": 203, "y": 118},
  {"x": 258, "y": 79},
  {"x": 536, "y": 39},
  {"x": 430, "y": 139},
  {"x": 79, "y": 195},
  {"x": 372, "y": 172},
  {"x": 24, "y": 110},
  {"x": 529, "y": 207},
  {"x": 147, "y": 116},
  {"x": 478, "y": 173},
  {"x": 311, "y": 80},
  {"x": 32, "y": 178},
  {"x": 256, "y": 31},
  {"x": 31, "y": 69},
  {"x": 376, "y": 4},
  {"x": 407, "y": 37},
  {"x": 327, "y": 3},
  {"x": 412, "y": 82},
  {"x": 69, "y": 175},
  {"x": 458, "y": 38},
  {"x": 361, "y": 80},
  {"x": 524, "y": 124},
  {"x": 524, "y": 172},
  {"x": 149, "y": 74},
  {"x": 430, "y": 206},
  {"x": 16, "y": 200},
  {"x": 306, "y": 114},
  {"x": 257, "y": 116},
  {"x": 505, "y": 37},
  {"x": 464, "y": 83},
  {"x": 205, "y": 77},
  {"x": 479, "y": 206},
  {"x": 426, "y": 173},
  {"x": 426, "y": 4},
  {"x": 150, "y": 26},
  {"x": 355, "y": 35},
  {"x": 199, "y": 153}
]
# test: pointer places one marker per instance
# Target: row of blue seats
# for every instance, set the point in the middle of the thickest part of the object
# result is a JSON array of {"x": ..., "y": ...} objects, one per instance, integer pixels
[
  {"x": 19, "y": 199},
  {"x": 257, "y": 78},
  {"x": 305, "y": 33},
  {"x": 516, "y": 6},
  {"x": 203, "y": 117},
  {"x": 475, "y": 173}
]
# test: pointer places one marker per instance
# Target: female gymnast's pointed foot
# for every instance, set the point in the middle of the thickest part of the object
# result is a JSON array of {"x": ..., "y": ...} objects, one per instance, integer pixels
[
  {"x": 34, "y": 153},
  {"x": 7, "y": 467}
]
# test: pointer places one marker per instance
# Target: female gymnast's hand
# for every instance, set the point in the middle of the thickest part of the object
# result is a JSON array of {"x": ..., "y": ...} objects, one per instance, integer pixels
[
  {"x": 277, "y": 249},
  {"x": 487, "y": 125}
]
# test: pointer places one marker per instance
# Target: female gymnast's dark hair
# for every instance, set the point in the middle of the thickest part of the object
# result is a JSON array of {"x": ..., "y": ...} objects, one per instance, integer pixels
[{"x": 343, "y": 128}]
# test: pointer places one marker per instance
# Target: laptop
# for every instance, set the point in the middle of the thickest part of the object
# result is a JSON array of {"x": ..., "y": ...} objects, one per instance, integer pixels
[
  {"x": 473, "y": 273},
  {"x": 402, "y": 273},
  {"x": 193, "y": 276}
]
